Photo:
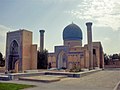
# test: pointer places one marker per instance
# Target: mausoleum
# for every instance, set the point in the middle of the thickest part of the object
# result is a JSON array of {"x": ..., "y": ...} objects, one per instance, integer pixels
[{"x": 73, "y": 52}]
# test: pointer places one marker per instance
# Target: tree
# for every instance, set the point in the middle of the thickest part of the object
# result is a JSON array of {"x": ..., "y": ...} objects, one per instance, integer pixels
[
  {"x": 2, "y": 61},
  {"x": 1, "y": 56},
  {"x": 106, "y": 59},
  {"x": 115, "y": 56},
  {"x": 42, "y": 60},
  {"x": 119, "y": 56}
]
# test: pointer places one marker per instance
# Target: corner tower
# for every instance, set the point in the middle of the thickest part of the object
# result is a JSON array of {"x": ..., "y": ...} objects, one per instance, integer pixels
[
  {"x": 90, "y": 46},
  {"x": 72, "y": 35}
]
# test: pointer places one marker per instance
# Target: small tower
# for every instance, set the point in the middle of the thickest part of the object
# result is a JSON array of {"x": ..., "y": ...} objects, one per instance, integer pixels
[
  {"x": 90, "y": 46},
  {"x": 41, "y": 40}
]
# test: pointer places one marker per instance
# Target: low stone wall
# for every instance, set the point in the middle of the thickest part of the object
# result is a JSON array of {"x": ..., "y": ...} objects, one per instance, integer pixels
[
  {"x": 17, "y": 75},
  {"x": 113, "y": 64},
  {"x": 12, "y": 76},
  {"x": 31, "y": 71}
]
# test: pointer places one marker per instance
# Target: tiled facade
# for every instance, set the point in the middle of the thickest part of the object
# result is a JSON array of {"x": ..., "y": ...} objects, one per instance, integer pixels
[
  {"x": 21, "y": 54},
  {"x": 77, "y": 55},
  {"x": 73, "y": 53}
]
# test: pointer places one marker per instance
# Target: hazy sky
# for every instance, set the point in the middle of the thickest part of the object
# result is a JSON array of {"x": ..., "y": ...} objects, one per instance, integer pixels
[{"x": 54, "y": 15}]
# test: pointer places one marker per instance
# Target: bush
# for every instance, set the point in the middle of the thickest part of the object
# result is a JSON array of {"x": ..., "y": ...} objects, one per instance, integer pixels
[{"x": 75, "y": 68}]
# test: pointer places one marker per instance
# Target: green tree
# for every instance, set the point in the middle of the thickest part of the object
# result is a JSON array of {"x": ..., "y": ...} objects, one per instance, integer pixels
[
  {"x": 106, "y": 59},
  {"x": 119, "y": 56},
  {"x": 2, "y": 61},
  {"x": 115, "y": 56},
  {"x": 42, "y": 59},
  {"x": 1, "y": 56}
]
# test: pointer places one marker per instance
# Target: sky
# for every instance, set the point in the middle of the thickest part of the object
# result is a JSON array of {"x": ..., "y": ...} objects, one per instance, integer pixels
[{"x": 54, "y": 15}]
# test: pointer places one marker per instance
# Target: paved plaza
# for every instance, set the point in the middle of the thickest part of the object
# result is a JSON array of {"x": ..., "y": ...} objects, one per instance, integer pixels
[{"x": 102, "y": 80}]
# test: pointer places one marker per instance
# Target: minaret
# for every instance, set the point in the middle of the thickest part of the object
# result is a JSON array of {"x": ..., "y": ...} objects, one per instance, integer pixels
[
  {"x": 90, "y": 46},
  {"x": 41, "y": 40}
]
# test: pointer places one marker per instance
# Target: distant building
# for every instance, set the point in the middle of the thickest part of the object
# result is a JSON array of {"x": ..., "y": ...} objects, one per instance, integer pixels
[
  {"x": 21, "y": 54},
  {"x": 72, "y": 52}
]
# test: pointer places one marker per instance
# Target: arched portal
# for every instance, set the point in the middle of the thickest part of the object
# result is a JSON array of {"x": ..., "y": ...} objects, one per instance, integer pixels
[
  {"x": 62, "y": 60},
  {"x": 13, "y": 57}
]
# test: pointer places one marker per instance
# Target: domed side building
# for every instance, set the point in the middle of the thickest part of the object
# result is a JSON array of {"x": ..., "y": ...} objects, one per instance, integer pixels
[{"x": 73, "y": 54}]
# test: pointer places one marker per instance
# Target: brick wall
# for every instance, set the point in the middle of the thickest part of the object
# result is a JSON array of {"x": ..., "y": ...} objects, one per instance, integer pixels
[{"x": 113, "y": 64}]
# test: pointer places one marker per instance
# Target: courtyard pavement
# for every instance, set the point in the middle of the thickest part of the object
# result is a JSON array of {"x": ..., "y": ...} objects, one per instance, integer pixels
[{"x": 102, "y": 80}]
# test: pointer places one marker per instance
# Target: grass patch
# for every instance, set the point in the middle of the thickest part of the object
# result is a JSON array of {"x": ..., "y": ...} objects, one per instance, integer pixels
[{"x": 12, "y": 86}]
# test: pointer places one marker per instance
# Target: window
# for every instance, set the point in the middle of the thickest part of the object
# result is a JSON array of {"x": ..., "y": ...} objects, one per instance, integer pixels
[{"x": 94, "y": 51}]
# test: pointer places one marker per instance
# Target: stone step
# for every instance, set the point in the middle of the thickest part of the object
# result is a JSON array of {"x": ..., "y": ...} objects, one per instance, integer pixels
[{"x": 5, "y": 78}]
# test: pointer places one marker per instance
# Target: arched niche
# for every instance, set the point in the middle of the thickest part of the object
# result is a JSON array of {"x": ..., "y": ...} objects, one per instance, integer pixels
[
  {"x": 14, "y": 55},
  {"x": 62, "y": 60}
]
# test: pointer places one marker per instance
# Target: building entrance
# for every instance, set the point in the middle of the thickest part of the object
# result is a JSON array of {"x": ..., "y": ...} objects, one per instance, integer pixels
[{"x": 13, "y": 57}]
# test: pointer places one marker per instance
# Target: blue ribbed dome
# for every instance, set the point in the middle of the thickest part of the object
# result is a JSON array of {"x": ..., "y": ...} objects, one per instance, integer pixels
[{"x": 72, "y": 32}]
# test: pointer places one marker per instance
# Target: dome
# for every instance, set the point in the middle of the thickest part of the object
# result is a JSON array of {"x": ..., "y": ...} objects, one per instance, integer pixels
[{"x": 72, "y": 32}]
